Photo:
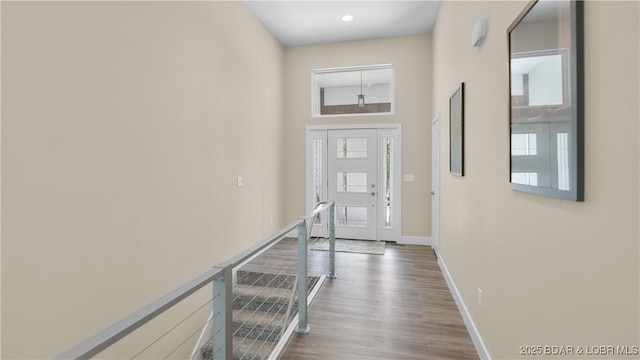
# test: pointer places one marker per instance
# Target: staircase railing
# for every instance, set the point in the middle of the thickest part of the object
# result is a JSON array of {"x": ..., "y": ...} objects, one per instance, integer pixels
[{"x": 221, "y": 278}]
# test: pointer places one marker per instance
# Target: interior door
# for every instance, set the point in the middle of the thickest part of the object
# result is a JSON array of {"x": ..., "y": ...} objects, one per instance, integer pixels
[
  {"x": 352, "y": 182},
  {"x": 435, "y": 184}
]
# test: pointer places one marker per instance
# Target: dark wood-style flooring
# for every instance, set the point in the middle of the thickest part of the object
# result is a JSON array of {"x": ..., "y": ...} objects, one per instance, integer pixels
[{"x": 391, "y": 306}]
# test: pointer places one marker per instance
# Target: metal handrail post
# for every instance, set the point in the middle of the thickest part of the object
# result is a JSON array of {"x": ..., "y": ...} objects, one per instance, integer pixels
[
  {"x": 303, "y": 327},
  {"x": 222, "y": 348},
  {"x": 332, "y": 241}
]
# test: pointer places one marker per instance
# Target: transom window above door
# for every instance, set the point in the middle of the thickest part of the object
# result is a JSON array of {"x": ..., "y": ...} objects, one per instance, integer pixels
[{"x": 353, "y": 91}]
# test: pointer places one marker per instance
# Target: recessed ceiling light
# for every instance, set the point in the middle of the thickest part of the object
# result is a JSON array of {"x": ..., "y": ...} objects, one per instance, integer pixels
[{"x": 347, "y": 18}]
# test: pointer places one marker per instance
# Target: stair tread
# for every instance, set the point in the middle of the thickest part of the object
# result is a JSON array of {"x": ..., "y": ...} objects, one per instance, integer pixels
[
  {"x": 244, "y": 349},
  {"x": 250, "y": 349},
  {"x": 254, "y": 324},
  {"x": 256, "y": 317},
  {"x": 261, "y": 292},
  {"x": 260, "y": 272},
  {"x": 261, "y": 278}
]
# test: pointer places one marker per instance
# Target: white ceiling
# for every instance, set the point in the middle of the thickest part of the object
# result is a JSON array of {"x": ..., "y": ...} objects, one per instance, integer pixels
[{"x": 297, "y": 23}]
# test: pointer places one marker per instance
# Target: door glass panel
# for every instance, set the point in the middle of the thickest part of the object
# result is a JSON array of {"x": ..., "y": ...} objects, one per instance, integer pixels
[
  {"x": 352, "y": 182},
  {"x": 351, "y": 148},
  {"x": 317, "y": 175},
  {"x": 351, "y": 216},
  {"x": 387, "y": 165}
]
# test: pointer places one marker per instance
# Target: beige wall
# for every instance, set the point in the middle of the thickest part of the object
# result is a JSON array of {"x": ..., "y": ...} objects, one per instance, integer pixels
[
  {"x": 124, "y": 128},
  {"x": 411, "y": 56},
  {"x": 552, "y": 272}
]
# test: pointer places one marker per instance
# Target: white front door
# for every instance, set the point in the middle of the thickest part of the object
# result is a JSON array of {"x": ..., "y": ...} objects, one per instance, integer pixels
[
  {"x": 435, "y": 184},
  {"x": 360, "y": 167},
  {"x": 352, "y": 174}
]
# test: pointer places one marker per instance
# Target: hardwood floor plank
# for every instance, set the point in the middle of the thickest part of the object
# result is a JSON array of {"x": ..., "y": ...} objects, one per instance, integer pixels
[{"x": 391, "y": 306}]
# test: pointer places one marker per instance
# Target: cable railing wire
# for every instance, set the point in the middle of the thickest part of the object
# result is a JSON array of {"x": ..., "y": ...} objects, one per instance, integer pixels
[
  {"x": 279, "y": 280},
  {"x": 155, "y": 341},
  {"x": 280, "y": 261},
  {"x": 275, "y": 319},
  {"x": 282, "y": 267},
  {"x": 276, "y": 323},
  {"x": 187, "y": 339}
]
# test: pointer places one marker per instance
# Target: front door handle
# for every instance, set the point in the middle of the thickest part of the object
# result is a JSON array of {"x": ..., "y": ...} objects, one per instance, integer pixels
[
  {"x": 433, "y": 193},
  {"x": 373, "y": 193}
]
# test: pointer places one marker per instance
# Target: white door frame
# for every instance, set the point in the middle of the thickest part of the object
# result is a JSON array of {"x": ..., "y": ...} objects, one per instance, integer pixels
[
  {"x": 435, "y": 183},
  {"x": 319, "y": 132}
]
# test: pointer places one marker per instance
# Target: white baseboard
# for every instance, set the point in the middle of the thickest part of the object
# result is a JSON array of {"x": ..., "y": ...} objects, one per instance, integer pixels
[
  {"x": 416, "y": 240},
  {"x": 468, "y": 321}
]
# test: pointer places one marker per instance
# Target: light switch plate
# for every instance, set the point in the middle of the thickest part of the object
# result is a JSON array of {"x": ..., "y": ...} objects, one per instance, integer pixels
[{"x": 408, "y": 177}]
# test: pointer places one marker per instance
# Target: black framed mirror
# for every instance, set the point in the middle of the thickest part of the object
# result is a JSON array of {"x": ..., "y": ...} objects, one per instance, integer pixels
[{"x": 546, "y": 99}]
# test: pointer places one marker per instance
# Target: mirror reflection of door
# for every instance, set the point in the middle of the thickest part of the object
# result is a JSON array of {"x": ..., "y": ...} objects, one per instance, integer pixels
[{"x": 541, "y": 119}]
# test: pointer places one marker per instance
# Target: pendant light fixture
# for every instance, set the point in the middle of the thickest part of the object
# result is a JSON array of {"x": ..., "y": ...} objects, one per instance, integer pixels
[{"x": 361, "y": 96}]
